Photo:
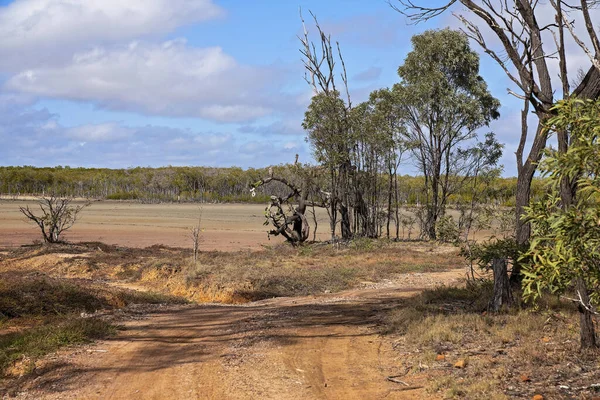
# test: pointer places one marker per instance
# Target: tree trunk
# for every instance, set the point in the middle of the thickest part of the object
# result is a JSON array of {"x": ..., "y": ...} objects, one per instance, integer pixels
[
  {"x": 502, "y": 294},
  {"x": 587, "y": 332},
  {"x": 523, "y": 229},
  {"x": 589, "y": 88},
  {"x": 389, "y": 205},
  {"x": 345, "y": 221},
  {"x": 431, "y": 221}
]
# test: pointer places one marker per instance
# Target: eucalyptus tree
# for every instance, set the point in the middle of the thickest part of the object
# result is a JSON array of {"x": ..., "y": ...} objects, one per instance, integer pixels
[
  {"x": 528, "y": 39},
  {"x": 444, "y": 102},
  {"x": 378, "y": 127},
  {"x": 328, "y": 126},
  {"x": 565, "y": 248}
]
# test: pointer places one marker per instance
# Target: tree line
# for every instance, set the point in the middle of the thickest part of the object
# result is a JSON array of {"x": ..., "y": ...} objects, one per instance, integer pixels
[{"x": 202, "y": 184}]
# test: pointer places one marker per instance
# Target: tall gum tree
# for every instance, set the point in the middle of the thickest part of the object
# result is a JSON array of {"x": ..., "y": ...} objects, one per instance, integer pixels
[{"x": 444, "y": 102}]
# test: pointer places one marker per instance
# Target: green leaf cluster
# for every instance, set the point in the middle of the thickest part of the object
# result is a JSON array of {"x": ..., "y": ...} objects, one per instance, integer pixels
[{"x": 566, "y": 237}]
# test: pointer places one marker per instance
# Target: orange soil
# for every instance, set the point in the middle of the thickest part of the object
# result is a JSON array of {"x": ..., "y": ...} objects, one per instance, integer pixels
[
  {"x": 316, "y": 347},
  {"x": 227, "y": 227}
]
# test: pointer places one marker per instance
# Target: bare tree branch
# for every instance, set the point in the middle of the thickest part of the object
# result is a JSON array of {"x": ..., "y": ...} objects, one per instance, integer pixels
[{"x": 57, "y": 216}]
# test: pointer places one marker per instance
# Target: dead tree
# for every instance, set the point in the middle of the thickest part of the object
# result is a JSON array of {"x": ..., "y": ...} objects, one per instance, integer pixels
[
  {"x": 196, "y": 235},
  {"x": 288, "y": 220},
  {"x": 57, "y": 215}
]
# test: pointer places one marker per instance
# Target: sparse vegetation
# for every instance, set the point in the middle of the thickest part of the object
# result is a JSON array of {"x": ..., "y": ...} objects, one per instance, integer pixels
[
  {"x": 514, "y": 355},
  {"x": 39, "y": 314},
  {"x": 27, "y": 346},
  {"x": 237, "y": 277}
]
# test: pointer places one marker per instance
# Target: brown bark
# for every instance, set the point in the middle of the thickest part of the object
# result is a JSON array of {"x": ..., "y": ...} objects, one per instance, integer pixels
[
  {"x": 523, "y": 229},
  {"x": 502, "y": 294},
  {"x": 587, "y": 333},
  {"x": 589, "y": 88}
]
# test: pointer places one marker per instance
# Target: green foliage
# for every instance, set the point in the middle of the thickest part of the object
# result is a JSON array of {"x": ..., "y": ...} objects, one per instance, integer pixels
[
  {"x": 566, "y": 239},
  {"x": 484, "y": 253},
  {"x": 123, "y": 196},
  {"x": 447, "y": 230},
  {"x": 440, "y": 80},
  {"x": 444, "y": 101},
  {"x": 327, "y": 124}
]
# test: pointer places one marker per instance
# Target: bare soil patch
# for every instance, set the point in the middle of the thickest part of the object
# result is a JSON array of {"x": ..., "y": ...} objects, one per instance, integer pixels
[{"x": 227, "y": 227}]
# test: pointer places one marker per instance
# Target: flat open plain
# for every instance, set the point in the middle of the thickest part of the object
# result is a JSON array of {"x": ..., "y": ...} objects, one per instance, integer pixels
[{"x": 227, "y": 227}]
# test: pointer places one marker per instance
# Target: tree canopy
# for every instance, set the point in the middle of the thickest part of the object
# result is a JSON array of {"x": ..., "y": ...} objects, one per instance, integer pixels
[{"x": 443, "y": 101}]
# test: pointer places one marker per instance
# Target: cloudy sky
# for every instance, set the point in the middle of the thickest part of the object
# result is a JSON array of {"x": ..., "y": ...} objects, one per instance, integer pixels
[{"x": 114, "y": 83}]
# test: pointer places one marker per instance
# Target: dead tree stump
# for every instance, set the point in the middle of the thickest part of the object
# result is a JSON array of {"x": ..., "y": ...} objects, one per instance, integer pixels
[{"x": 502, "y": 294}]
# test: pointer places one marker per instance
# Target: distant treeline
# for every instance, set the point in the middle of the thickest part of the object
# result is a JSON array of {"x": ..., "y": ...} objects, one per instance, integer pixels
[{"x": 193, "y": 184}]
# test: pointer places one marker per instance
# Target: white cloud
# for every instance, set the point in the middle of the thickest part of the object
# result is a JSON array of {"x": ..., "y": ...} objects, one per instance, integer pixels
[
  {"x": 24, "y": 131},
  {"x": 291, "y": 146},
  {"x": 98, "y": 133},
  {"x": 41, "y": 32},
  {"x": 167, "y": 78},
  {"x": 289, "y": 126}
]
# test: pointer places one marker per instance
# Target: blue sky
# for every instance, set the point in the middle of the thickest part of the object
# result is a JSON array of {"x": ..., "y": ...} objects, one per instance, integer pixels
[{"x": 118, "y": 84}]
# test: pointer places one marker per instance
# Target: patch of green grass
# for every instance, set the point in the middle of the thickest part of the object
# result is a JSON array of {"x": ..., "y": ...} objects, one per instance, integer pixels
[{"x": 36, "y": 342}]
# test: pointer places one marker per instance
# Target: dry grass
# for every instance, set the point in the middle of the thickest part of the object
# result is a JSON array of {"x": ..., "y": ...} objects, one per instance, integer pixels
[
  {"x": 234, "y": 277},
  {"x": 39, "y": 314},
  {"x": 41, "y": 295},
  {"x": 237, "y": 277},
  {"x": 513, "y": 355},
  {"x": 45, "y": 289}
]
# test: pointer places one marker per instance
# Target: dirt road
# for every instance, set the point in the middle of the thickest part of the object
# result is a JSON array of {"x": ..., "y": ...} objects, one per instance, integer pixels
[{"x": 317, "y": 347}]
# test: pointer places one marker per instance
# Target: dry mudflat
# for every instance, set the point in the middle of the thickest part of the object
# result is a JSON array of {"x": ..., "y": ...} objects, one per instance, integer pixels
[{"x": 227, "y": 227}]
